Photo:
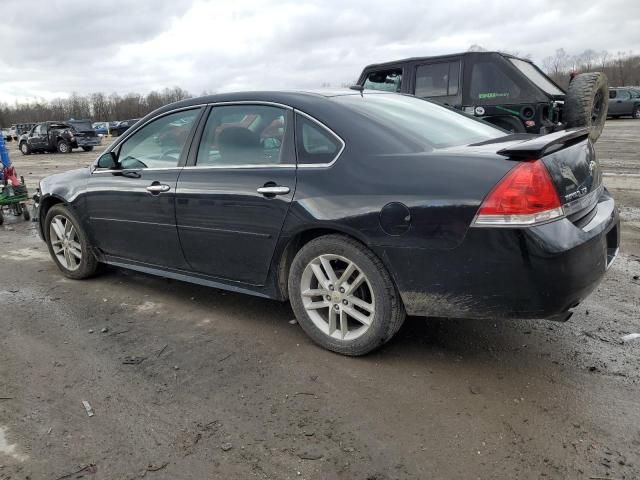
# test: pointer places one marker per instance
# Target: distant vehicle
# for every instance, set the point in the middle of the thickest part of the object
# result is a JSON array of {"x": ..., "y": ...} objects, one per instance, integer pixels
[
  {"x": 101, "y": 128},
  {"x": 86, "y": 137},
  {"x": 510, "y": 92},
  {"x": 122, "y": 127},
  {"x": 624, "y": 101},
  {"x": 49, "y": 137},
  {"x": 19, "y": 129},
  {"x": 7, "y": 135},
  {"x": 355, "y": 207}
]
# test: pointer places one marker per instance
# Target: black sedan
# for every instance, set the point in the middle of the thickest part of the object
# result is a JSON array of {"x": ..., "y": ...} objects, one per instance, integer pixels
[{"x": 358, "y": 208}]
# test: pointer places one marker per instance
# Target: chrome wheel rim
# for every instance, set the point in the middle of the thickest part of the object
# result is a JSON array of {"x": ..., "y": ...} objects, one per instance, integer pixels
[
  {"x": 63, "y": 148},
  {"x": 65, "y": 242},
  {"x": 338, "y": 297},
  {"x": 24, "y": 148}
]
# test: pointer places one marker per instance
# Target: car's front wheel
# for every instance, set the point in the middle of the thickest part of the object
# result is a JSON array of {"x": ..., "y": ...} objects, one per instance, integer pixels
[
  {"x": 25, "y": 149},
  {"x": 63, "y": 147},
  {"x": 343, "y": 296},
  {"x": 68, "y": 243},
  {"x": 636, "y": 113}
]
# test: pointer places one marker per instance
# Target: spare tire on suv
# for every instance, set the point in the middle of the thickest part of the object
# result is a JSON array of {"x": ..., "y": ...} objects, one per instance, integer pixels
[{"x": 587, "y": 102}]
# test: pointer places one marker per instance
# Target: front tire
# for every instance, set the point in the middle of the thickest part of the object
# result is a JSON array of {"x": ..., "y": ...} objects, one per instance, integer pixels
[
  {"x": 636, "y": 113},
  {"x": 343, "y": 296},
  {"x": 64, "y": 147},
  {"x": 25, "y": 149},
  {"x": 68, "y": 243}
]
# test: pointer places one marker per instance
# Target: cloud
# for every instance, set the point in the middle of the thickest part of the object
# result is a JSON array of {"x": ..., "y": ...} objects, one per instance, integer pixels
[{"x": 53, "y": 48}]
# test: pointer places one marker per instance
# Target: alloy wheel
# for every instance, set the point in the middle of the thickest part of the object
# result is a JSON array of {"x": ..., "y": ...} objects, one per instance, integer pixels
[
  {"x": 338, "y": 297},
  {"x": 65, "y": 242}
]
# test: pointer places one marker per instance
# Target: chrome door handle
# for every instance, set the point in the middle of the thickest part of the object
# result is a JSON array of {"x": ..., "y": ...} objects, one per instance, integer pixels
[
  {"x": 158, "y": 188},
  {"x": 273, "y": 190}
]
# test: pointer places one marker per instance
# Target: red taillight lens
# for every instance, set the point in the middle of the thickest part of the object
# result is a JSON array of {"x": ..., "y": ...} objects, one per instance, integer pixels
[{"x": 525, "y": 196}]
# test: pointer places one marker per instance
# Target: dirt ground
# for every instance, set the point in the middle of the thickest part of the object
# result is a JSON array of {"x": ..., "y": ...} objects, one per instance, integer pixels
[{"x": 228, "y": 388}]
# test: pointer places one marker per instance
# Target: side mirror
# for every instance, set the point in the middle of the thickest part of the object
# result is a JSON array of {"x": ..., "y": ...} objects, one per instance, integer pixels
[{"x": 108, "y": 161}]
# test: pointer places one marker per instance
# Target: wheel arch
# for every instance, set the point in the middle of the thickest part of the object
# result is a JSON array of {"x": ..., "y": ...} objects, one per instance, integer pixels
[
  {"x": 45, "y": 205},
  {"x": 299, "y": 239}
]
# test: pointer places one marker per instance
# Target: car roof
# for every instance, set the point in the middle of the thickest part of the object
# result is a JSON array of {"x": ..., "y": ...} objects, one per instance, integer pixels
[
  {"x": 293, "y": 98},
  {"x": 447, "y": 56}
]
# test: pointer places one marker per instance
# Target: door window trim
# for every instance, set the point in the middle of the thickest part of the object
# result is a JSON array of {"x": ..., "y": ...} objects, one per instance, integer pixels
[{"x": 338, "y": 137}]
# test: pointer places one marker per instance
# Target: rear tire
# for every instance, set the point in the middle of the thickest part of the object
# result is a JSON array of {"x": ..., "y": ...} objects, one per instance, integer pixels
[
  {"x": 25, "y": 149},
  {"x": 87, "y": 149},
  {"x": 374, "y": 299},
  {"x": 587, "y": 102},
  {"x": 636, "y": 113},
  {"x": 66, "y": 240}
]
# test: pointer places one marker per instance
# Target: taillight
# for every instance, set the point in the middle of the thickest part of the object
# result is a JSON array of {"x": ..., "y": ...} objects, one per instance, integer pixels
[{"x": 525, "y": 196}]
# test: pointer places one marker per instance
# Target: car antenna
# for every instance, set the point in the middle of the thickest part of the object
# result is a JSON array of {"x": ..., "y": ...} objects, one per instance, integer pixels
[{"x": 358, "y": 88}]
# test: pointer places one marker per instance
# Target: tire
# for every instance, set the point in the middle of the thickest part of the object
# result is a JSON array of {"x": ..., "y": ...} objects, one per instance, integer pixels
[
  {"x": 87, "y": 264},
  {"x": 25, "y": 149},
  {"x": 1, "y": 216},
  {"x": 63, "y": 147},
  {"x": 636, "y": 112},
  {"x": 376, "y": 291},
  {"x": 587, "y": 102},
  {"x": 87, "y": 149},
  {"x": 25, "y": 213}
]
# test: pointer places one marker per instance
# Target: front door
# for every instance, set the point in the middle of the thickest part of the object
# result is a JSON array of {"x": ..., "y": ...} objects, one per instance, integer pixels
[
  {"x": 231, "y": 201},
  {"x": 132, "y": 207},
  {"x": 620, "y": 103},
  {"x": 38, "y": 137}
]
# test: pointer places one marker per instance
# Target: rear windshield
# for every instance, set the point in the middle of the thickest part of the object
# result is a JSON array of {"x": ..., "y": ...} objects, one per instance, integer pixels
[
  {"x": 428, "y": 123},
  {"x": 81, "y": 126},
  {"x": 533, "y": 74}
]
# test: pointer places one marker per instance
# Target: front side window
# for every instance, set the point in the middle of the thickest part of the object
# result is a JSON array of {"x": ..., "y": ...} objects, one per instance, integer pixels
[
  {"x": 386, "y": 80},
  {"x": 437, "y": 79},
  {"x": 36, "y": 131},
  {"x": 623, "y": 95},
  {"x": 239, "y": 135},
  {"x": 158, "y": 144},
  {"x": 314, "y": 143}
]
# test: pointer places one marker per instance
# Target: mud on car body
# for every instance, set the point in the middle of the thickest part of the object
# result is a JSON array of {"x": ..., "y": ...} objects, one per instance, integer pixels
[
  {"x": 510, "y": 92},
  {"x": 357, "y": 207}
]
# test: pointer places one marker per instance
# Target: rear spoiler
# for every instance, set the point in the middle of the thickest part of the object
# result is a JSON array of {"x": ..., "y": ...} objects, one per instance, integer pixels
[{"x": 543, "y": 144}]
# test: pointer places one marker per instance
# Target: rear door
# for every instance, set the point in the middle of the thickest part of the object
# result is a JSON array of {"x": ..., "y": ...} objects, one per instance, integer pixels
[
  {"x": 234, "y": 195},
  {"x": 621, "y": 103},
  {"x": 132, "y": 208}
]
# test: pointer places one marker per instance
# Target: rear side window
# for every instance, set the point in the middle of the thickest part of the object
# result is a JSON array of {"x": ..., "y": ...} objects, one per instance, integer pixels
[
  {"x": 242, "y": 135},
  {"x": 386, "y": 80},
  {"x": 314, "y": 143},
  {"x": 491, "y": 83},
  {"x": 623, "y": 95},
  {"x": 438, "y": 79},
  {"x": 612, "y": 93}
]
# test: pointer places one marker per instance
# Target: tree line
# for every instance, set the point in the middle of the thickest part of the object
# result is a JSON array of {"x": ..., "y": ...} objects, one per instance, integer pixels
[
  {"x": 622, "y": 69},
  {"x": 95, "y": 106}
]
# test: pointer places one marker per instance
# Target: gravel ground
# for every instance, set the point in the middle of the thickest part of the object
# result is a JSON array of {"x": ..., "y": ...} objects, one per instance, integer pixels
[{"x": 228, "y": 388}]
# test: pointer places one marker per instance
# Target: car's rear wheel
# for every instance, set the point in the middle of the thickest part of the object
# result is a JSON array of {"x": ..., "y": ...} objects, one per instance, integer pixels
[
  {"x": 25, "y": 149},
  {"x": 68, "y": 243},
  {"x": 343, "y": 296},
  {"x": 636, "y": 113},
  {"x": 587, "y": 102},
  {"x": 87, "y": 149},
  {"x": 63, "y": 147}
]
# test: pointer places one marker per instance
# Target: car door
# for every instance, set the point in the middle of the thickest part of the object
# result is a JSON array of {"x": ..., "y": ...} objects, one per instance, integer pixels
[
  {"x": 621, "y": 103},
  {"x": 233, "y": 197},
  {"x": 35, "y": 137},
  {"x": 132, "y": 207}
]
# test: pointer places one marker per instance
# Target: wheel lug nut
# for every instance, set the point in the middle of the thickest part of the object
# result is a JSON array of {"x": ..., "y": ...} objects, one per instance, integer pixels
[
  {"x": 336, "y": 307},
  {"x": 331, "y": 287},
  {"x": 344, "y": 302},
  {"x": 341, "y": 290},
  {"x": 328, "y": 297}
]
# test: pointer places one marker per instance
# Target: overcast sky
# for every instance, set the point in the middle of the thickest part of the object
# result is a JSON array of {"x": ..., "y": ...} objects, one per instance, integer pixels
[{"x": 50, "y": 48}]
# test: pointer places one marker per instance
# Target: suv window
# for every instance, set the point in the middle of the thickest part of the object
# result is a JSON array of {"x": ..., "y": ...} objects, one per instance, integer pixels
[
  {"x": 314, "y": 143},
  {"x": 612, "y": 93},
  {"x": 158, "y": 144},
  {"x": 386, "y": 80},
  {"x": 623, "y": 95},
  {"x": 238, "y": 135},
  {"x": 36, "y": 131},
  {"x": 489, "y": 82},
  {"x": 438, "y": 79}
]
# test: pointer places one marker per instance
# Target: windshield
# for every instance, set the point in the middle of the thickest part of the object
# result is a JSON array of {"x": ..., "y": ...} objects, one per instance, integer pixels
[
  {"x": 537, "y": 77},
  {"x": 426, "y": 122}
]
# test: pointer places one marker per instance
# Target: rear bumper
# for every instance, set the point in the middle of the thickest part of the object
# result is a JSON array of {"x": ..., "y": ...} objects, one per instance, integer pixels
[{"x": 536, "y": 272}]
